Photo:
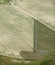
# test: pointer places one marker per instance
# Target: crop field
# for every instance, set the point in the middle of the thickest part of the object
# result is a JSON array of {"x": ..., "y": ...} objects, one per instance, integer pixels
[
  {"x": 19, "y": 32},
  {"x": 44, "y": 37},
  {"x": 16, "y": 31},
  {"x": 42, "y": 10}
]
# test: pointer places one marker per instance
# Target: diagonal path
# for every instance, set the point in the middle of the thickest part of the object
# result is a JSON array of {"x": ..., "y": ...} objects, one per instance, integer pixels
[{"x": 27, "y": 13}]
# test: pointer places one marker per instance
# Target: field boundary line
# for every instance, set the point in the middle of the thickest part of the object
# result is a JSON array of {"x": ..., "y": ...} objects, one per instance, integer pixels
[{"x": 27, "y": 13}]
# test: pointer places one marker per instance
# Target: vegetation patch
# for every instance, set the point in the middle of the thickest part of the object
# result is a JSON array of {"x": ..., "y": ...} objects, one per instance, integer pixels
[
  {"x": 8, "y": 61},
  {"x": 5, "y": 1}
]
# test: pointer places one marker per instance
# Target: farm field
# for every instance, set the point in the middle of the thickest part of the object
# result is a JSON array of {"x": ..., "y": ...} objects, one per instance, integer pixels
[
  {"x": 19, "y": 32},
  {"x": 16, "y": 31},
  {"x": 44, "y": 37},
  {"x": 42, "y": 10}
]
